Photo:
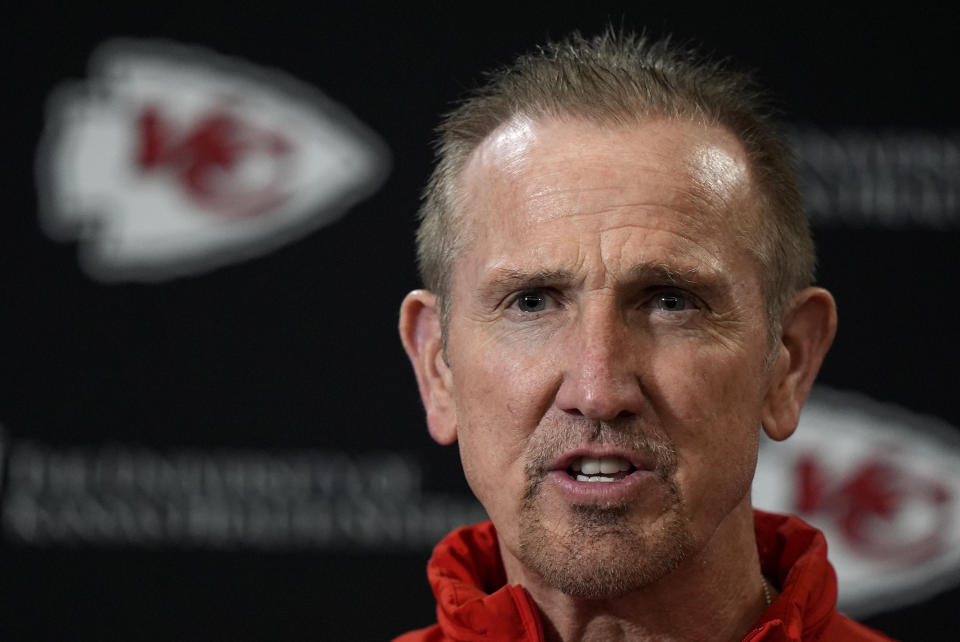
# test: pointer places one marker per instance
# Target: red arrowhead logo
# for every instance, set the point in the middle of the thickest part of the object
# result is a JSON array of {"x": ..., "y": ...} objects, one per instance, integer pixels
[{"x": 171, "y": 160}]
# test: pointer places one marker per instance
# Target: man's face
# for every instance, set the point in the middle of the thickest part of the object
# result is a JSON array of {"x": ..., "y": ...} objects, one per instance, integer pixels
[{"x": 606, "y": 346}]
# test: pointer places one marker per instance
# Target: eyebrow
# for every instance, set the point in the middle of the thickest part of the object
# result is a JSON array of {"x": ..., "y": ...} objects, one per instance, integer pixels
[
  {"x": 504, "y": 280},
  {"x": 664, "y": 273},
  {"x": 707, "y": 283},
  {"x": 513, "y": 279}
]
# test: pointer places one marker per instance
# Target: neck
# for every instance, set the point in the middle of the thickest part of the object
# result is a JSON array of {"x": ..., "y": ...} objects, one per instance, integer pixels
[{"x": 715, "y": 594}]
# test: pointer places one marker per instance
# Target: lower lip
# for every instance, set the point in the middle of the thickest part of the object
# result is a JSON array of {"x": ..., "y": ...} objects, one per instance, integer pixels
[{"x": 597, "y": 492}]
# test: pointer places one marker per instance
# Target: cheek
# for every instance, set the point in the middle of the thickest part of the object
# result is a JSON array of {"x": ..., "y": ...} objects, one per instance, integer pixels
[
  {"x": 501, "y": 393},
  {"x": 499, "y": 400},
  {"x": 700, "y": 385},
  {"x": 709, "y": 404},
  {"x": 491, "y": 455}
]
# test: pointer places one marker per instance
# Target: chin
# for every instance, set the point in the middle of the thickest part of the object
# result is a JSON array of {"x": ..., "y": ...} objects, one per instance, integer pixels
[{"x": 600, "y": 555}]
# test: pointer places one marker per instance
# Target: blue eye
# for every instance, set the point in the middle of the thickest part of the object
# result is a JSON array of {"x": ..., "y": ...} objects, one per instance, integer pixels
[{"x": 531, "y": 302}]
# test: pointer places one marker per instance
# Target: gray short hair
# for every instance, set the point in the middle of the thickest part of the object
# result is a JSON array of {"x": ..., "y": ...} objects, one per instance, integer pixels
[{"x": 622, "y": 78}]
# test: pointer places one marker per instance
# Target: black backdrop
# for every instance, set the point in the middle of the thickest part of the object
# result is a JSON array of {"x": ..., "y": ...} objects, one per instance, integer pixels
[{"x": 296, "y": 351}]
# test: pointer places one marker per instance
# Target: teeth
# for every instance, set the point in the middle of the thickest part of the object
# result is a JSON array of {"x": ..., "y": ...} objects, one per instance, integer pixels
[
  {"x": 594, "y": 478},
  {"x": 614, "y": 465},
  {"x": 595, "y": 465},
  {"x": 589, "y": 466}
]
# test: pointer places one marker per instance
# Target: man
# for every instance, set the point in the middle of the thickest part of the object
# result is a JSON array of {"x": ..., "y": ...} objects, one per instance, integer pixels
[{"x": 619, "y": 301}]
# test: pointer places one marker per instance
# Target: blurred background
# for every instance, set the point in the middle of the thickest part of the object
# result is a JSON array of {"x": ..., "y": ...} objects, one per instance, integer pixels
[{"x": 208, "y": 426}]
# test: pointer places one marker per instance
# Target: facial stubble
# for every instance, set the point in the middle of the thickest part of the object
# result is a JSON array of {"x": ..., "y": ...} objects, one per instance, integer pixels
[{"x": 602, "y": 551}]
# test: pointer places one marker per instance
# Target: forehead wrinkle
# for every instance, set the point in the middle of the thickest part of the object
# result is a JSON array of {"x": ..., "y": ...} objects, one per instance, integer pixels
[
  {"x": 696, "y": 195},
  {"x": 689, "y": 238},
  {"x": 516, "y": 275},
  {"x": 706, "y": 256},
  {"x": 710, "y": 181},
  {"x": 669, "y": 273},
  {"x": 570, "y": 190},
  {"x": 692, "y": 202}
]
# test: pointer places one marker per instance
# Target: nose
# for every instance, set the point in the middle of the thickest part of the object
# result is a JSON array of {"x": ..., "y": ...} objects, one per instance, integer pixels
[{"x": 601, "y": 380}]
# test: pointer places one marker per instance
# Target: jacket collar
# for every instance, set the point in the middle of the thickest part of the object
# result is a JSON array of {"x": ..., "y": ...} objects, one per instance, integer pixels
[
  {"x": 793, "y": 556},
  {"x": 474, "y": 602}
]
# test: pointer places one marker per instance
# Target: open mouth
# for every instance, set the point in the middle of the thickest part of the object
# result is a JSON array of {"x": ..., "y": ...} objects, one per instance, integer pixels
[{"x": 600, "y": 469}]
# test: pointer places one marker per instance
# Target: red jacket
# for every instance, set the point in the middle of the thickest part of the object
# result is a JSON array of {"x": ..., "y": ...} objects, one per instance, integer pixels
[{"x": 474, "y": 601}]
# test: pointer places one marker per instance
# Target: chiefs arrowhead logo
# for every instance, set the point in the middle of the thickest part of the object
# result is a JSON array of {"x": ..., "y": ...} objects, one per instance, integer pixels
[
  {"x": 171, "y": 160},
  {"x": 883, "y": 484},
  {"x": 204, "y": 161}
]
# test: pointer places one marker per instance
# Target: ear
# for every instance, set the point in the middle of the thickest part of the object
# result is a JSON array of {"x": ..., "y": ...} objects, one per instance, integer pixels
[
  {"x": 809, "y": 325},
  {"x": 421, "y": 335}
]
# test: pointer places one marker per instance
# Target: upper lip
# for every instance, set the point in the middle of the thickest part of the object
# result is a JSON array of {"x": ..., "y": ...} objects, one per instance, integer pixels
[{"x": 641, "y": 462}]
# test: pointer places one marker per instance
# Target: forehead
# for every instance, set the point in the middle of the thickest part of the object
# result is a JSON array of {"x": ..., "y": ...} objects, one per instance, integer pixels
[{"x": 557, "y": 176}]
